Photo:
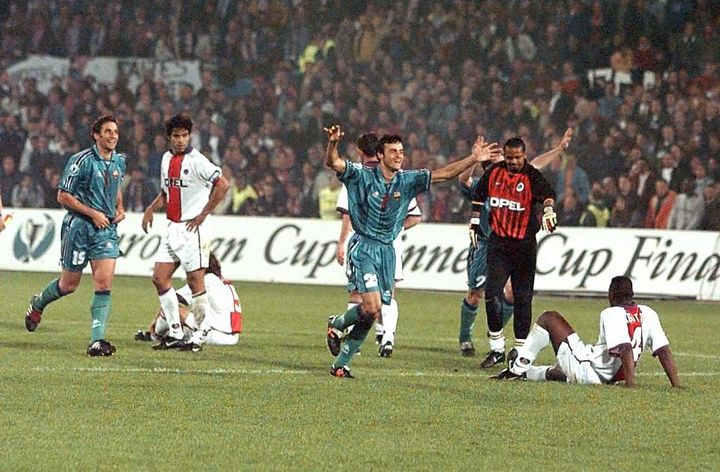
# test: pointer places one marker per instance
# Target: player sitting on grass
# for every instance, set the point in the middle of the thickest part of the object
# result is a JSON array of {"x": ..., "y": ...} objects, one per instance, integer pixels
[
  {"x": 224, "y": 312},
  {"x": 626, "y": 328}
]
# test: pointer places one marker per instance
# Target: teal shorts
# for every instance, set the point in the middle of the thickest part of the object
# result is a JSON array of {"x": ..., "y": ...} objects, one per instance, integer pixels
[
  {"x": 81, "y": 241},
  {"x": 477, "y": 265},
  {"x": 370, "y": 267}
]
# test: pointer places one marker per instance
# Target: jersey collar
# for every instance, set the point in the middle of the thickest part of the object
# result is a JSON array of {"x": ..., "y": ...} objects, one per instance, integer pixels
[{"x": 96, "y": 153}]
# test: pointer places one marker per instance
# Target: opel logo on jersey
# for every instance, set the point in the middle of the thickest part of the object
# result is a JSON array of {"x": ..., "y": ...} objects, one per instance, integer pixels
[
  {"x": 505, "y": 203},
  {"x": 520, "y": 187},
  {"x": 173, "y": 182}
]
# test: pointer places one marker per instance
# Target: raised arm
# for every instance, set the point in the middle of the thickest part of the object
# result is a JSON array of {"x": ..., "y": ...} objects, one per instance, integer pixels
[
  {"x": 332, "y": 157},
  {"x": 481, "y": 151},
  {"x": 542, "y": 161},
  {"x": 667, "y": 361}
]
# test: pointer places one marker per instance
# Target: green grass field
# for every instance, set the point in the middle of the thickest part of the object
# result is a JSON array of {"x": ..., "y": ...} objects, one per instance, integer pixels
[{"x": 269, "y": 403}]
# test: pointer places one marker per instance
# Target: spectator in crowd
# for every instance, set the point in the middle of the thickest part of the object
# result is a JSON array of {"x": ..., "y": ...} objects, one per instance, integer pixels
[
  {"x": 27, "y": 194},
  {"x": 660, "y": 205},
  {"x": 327, "y": 200},
  {"x": 572, "y": 176},
  {"x": 570, "y": 209},
  {"x": 711, "y": 218},
  {"x": 596, "y": 212},
  {"x": 689, "y": 208},
  {"x": 139, "y": 192},
  {"x": 9, "y": 177}
]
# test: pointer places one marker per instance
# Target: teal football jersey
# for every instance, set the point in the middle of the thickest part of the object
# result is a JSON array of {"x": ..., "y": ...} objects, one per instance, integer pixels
[
  {"x": 378, "y": 208},
  {"x": 93, "y": 180}
]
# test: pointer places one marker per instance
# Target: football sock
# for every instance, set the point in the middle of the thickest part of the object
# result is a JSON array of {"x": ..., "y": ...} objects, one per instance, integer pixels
[
  {"x": 497, "y": 341},
  {"x": 348, "y": 318},
  {"x": 100, "y": 311},
  {"x": 390, "y": 314},
  {"x": 171, "y": 310},
  {"x": 468, "y": 313},
  {"x": 537, "y": 372},
  {"x": 536, "y": 342},
  {"x": 199, "y": 310},
  {"x": 506, "y": 309},
  {"x": 50, "y": 293},
  {"x": 354, "y": 340}
]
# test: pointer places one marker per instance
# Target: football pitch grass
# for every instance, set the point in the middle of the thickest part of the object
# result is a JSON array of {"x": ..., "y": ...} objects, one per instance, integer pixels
[{"x": 269, "y": 403}]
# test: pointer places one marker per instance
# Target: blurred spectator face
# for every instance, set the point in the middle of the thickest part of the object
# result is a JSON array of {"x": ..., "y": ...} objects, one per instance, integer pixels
[
  {"x": 624, "y": 185},
  {"x": 9, "y": 166},
  {"x": 608, "y": 186},
  {"x": 661, "y": 188},
  {"x": 710, "y": 192}
]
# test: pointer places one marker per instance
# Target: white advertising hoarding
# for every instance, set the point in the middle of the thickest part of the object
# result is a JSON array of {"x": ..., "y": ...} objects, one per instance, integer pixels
[{"x": 578, "y": 260}]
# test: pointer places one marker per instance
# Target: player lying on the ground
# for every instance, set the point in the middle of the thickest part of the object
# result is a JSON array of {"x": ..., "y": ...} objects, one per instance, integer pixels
[
  {"x": 224, "y": 312},
  {"x": 626, "y": 328}
]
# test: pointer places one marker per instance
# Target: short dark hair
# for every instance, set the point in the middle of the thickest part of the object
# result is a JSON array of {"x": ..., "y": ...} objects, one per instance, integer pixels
[
  {"x": 181, "y": 121},
  {"x": 367, "y": 144},
  {"x": 516, "y": 142},
  {"x": 98, "y": 124},
  {"x": 214, "y": 265},
  {"x": 387, "y": 139},
  {"x": 621, "y": 289}
]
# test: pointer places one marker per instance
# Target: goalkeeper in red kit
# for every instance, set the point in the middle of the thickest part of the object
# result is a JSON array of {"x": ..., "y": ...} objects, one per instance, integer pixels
[{"x": 512, "y": 189}]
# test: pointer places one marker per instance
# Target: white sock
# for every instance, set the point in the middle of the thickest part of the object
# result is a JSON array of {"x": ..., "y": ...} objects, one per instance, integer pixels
[
  {"x": 171, "y": 310},
  {"x": 528, "y": 352},
  {"x": 161, "y": 326},
  {"x": 390, "y": 315},
  {"x": 497, "y": 341},
  {"x": 535, "y": 342},
  {"x": 199, "y": 308},
  {"x": 537, "y": 372}
]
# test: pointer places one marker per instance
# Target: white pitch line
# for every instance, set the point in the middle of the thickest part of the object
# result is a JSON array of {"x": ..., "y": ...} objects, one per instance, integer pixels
[{"x": 366, "y": 373}]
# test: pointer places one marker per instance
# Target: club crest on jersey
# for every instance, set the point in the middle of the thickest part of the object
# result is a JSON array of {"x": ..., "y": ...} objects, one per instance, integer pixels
[
  {"x": 175, "y": 183},
  {"x": 396, "y": 195},
  {"x": 116, "y": 174},
  {"x": 520, "y": 187},
  {"x": 505, "y": 203}
]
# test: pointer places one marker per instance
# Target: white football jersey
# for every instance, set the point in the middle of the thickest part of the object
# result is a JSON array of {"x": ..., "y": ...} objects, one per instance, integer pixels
[
  {"x": 638, "y": 325},
  {"x": 187, "y": 179},
  {"x": 224, "y": 309}
]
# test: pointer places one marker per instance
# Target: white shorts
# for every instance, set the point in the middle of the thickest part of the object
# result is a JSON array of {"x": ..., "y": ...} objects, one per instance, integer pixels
[
  {"x": 574, "y": 358},
  {"x": 190, "y": 249}
]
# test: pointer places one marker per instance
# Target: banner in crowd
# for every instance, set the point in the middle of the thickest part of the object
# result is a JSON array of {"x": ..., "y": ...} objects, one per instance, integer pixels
[
  {"x": 105, "y": 70},
  {"x": 289, "y": 250}
]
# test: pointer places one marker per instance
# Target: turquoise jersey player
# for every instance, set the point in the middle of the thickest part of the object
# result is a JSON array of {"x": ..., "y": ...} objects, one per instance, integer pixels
[
  {"x": 95, "y": 182},
  {"x": 378, "y": 203},
  {"x": 90, "y": 191}
]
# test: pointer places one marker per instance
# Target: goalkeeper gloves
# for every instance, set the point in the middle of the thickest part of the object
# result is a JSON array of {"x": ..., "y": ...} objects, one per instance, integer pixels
[
  {"x": 549, "y": 219},
  {"x": 475, "y": 232}
]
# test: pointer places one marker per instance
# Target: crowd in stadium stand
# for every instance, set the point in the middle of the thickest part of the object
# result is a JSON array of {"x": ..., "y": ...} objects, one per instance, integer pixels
[{"x": 638, "y": 81}]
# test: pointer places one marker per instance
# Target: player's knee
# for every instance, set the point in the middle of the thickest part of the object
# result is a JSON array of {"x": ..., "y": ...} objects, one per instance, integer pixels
[
  {"x": 474, "y": 297},
  {"x": 160, "y": 283},
  {"x": 67, "y": 287},
  {"x": 547, "y": 317}
]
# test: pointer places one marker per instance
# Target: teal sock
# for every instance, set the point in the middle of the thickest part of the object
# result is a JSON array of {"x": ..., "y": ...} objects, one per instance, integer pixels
[
  {"x": 347, "y": 319},
  {"x": 352, "y": 342},
  {"x": 50, "y": 293},
  {"x": 467, "y": 321},
  {"x": 100, "y": 311},
  {"x": 506, "y": 309}
]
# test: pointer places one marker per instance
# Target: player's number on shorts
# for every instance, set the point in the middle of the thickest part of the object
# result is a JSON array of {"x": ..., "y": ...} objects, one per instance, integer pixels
[{"x": 78, "y": 257}]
